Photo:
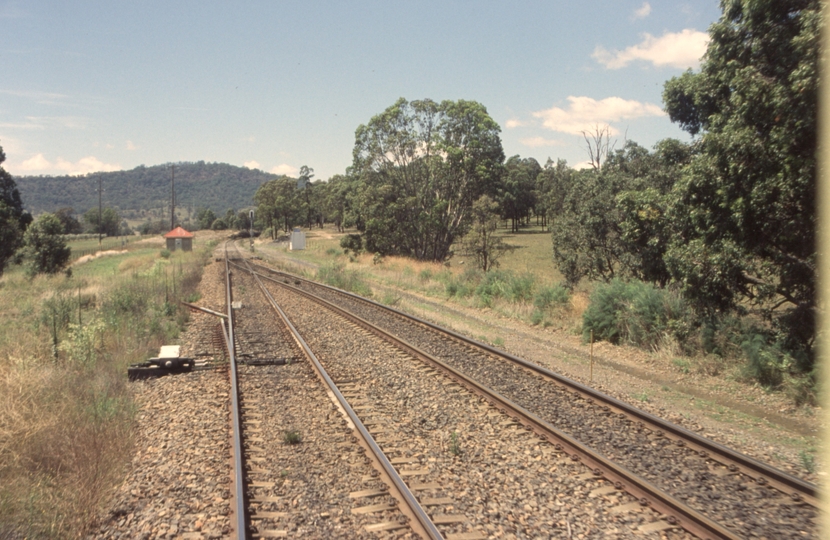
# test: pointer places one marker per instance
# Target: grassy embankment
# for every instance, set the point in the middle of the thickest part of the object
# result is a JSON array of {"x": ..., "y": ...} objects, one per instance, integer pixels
[
  {"x": 67, "y": 410},
  {"x": 526, "y": 287}
]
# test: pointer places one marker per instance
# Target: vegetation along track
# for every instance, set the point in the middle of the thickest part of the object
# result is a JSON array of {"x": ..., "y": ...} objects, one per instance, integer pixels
[{"x": 747, "y": 497}]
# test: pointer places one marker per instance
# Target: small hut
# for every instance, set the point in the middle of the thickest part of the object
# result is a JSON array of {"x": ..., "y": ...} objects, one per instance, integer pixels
[{"x": 179, "y": 238}]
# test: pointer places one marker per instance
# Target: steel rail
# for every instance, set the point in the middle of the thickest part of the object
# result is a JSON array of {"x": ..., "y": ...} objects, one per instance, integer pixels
[
  {"x": 676, "y": 512},
  {"x": 422, "y": 525},
  {"x": 239, "y": 470},
  {"x": 762, "y": 473}
]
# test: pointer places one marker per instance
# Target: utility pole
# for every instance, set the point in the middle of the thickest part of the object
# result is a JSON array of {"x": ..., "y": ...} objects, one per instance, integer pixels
[
  {"x": 100, "y": 221},
  {"x": 172, "y": 197}
]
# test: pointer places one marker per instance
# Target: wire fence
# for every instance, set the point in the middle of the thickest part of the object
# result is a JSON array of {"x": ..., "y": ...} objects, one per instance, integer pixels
[{"x": 107, "y": 244}]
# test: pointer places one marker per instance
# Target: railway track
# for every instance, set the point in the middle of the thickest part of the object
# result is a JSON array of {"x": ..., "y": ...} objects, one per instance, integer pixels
[
  {"x": 740, "y": 496},
  {"x": 283, "y": 491},
  {"x": 463, "y": 496}
]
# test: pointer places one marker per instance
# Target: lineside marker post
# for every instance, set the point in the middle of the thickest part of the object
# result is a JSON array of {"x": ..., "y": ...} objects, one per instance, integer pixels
[{"x": 591, "y": 378}]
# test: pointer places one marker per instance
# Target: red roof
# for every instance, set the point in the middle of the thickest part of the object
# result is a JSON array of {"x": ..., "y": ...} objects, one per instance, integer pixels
[{"x": 178, "y": 232}]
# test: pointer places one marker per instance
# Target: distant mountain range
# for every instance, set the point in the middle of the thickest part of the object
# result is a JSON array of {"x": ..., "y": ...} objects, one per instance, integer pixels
[{"x": 145, "y": 191}]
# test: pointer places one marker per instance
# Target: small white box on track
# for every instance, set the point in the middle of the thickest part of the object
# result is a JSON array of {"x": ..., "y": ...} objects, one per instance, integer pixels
[{"x": 170, "y": 351}]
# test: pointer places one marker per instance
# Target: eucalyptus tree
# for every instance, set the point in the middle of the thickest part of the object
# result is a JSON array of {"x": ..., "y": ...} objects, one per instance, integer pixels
[
  {"x": 13, "y": 219},
  {"x": 279, "y": 204},
  {"x": 517, "y": 195},
  {"x": 421, "y": 165},
  {"x": 746, "y": 213}
]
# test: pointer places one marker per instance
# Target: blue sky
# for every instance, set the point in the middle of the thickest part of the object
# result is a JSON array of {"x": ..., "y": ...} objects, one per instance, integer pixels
[{"x": 91, "y": 86}]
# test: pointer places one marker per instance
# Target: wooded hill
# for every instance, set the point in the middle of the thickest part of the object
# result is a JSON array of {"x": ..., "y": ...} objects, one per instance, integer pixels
[{"x": 145, "y": 191}]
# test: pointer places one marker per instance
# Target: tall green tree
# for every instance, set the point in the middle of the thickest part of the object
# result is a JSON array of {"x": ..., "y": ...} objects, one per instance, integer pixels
[
  {"x": 552, "y": 184},
  {"x": 70, "y": 223},
  {"x": 517, "y": 195},
  {"x": 279, "y": 205},
  {"x": 13, "y": 220},
  {"x": 480, "y": 243},
  {"x": 421, "y": 165},
  {"x": 46, "y": 250},
  {"x": 109, "y": 223},
  {"x": 745, "y": 212},
  {"x": 205, "y": 218},
  {"x": 614, "y": 222}
]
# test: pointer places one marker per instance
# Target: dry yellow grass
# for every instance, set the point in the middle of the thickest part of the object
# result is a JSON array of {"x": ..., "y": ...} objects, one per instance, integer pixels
[{"x": 66, "y": 414}]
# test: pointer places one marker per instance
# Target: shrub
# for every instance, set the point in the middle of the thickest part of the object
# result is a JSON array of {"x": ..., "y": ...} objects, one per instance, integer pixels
[
  {"x": 353, "y": 243},
  {"x": 336, "y": 275},
  {"x": 505, "y": 284},
  {"x": 635, "y": 312},
  {"x": 765, "y": 363},
  {"x": 165, "y": 253},
  {"x": 425, "y": 275},
  {"x": 548, "y": 297}
]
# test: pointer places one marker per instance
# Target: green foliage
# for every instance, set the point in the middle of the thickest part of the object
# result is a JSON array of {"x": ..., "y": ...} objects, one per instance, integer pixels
[
  {"x": 455, "y": 444},
  {"x": 292, "y": 437},
  {"x": 612, "y": 222},
  {"x": 46, "y": 250},
  {"x": 219, "y": 224},
  {"x": 425, "y": 275},
  {"x": 81, "y": 342},
  {"x": 70, "y": 223},
  {"x": 280, "y": 204},
  {"x": 517, "y": 195},
  {"x": 420, "y": 166},
  {"x": 548, "y": 297},
  {"x": 204, "y": 218},
  {"x": 353, "y": 243},
  {"x": 745, "y": 215},
  {"x": 635, "y": 312},
  {"x": 144, "y": 191},
  {"x": 336, "y": 275},
  {"x": 13, "y": 220},
  {"x": 164, "y": 253},
  {"x": 107, "y": 223},
  {"x": 507, "y": 285},
  {"x": 481, "y": 243},
  {"x": 766, "y": 363}
]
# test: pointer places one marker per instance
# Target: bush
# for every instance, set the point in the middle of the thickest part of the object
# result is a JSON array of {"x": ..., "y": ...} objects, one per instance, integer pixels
[
  {"x": 635, "y": 312},
  {"x": 765, "y": 363},
  {"x": 353, "y": 243},
  {"x": 548, "y": 297},
  {"x": 505, "y": 284},
  {"x": 165, "y": 253},
  {"x": 349, "y": 280}
]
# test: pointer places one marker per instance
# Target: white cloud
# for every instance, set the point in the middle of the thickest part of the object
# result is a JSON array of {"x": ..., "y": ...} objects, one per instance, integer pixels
[
  {"x": 583, "y": 165},
  {"x": 131, "y": 146},
  {"x": 38, "y": 164},
  {"x": 538, "y": 142},
  {"x": 252, "y": 164},
  {"x": 285, "y": 169},
  {"x": 643, "y": 11},
  {"x": 512, "y": 123},
  {"x": 674, "y": 49},
  {"x": 584, "y": 113}
]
